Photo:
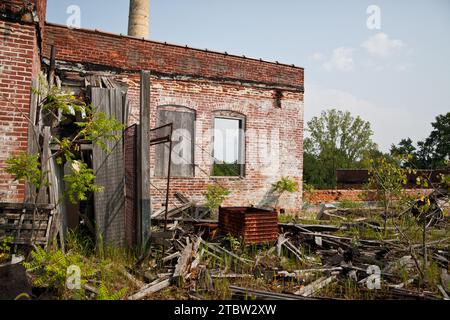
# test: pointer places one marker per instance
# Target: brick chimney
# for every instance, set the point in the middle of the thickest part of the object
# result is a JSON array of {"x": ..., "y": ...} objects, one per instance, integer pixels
[{"x": 138, "y": 22}]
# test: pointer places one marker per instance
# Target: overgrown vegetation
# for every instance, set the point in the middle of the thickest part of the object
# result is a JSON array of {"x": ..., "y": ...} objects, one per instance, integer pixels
[
  {"x": 95, "y": 127},
  {"x": 51, "y": 270},
  {"x": 335, "y": 140},
  {"x": 226, "y": 169},
  {"x": 215, "y": 195},
  {"x": 5, "y": 248},
  {"x": 283, "y": 186},
  {"x": 431, "y": 153},
  {"x": 388, "y": 179}
]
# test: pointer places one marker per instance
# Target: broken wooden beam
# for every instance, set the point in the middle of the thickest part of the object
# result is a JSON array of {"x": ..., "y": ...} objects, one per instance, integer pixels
[
  {"x": 317, "y": 285},
  {"x": 151, "y": 288},
  {"x": 181, "y": 269},
  {"x": 266, "y": 295}
]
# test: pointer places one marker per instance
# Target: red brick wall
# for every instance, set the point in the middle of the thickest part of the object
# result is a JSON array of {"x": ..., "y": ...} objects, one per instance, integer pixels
[
  {"x": 214, "y": 82},
  {"x": 19, "y": 63},
  {"x": 128, "y": 53},
  {"x": 264, "y": 120},
  {"x": 330, "y": 196}
]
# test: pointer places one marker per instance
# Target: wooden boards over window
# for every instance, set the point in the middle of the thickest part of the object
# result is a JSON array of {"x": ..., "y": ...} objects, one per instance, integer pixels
[{"x": 183, "y": 137}]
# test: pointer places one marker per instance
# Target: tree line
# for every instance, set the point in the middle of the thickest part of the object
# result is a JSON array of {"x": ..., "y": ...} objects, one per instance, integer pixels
[{"x": 338, "y": 140}]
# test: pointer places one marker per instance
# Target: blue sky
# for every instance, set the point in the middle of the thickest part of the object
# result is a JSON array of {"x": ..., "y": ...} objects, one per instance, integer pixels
[{"x": 396, "y": 77}]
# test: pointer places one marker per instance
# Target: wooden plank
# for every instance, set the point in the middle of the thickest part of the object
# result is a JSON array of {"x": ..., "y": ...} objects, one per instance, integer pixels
[
  {"x": 33, "y": 138},
  {"x": 315, "y": 286},
  {"x": 196, "y": 254},
  {"x": 183, "y": 263},
  {"x": 138, "y": 283},
  {"x": 183, "y": 142},
  {"x": 158, "y": 213},
  {"x": 42, "y": 196},
  {"x": 144, "y": 203},
  {"x": 265, "y": 295},
  {"x": 53, "y": 189},
  {"x": 171, "y": 256},
  {"x": 27, "y": 206},
  {"x": 161, "y": 150},
  {"x": 25, "y": 226},
  {"x": 218, "y": 248},
  {"x": 110, "y": 174},
  {"x": 52, "y": 67},
  {"x": 181, "y": 197},
  {"x": 444, "y": 294},
  {"x": 130, "y": 163},
  {"x": 16, "y": 216},
  {"x": 149, "y": 289},
  {"x": 179, "y": 209}
]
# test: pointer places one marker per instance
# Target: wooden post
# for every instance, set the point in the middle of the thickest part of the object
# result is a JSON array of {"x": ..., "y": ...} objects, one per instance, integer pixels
[
  {"x": 33, "y": 139},
  {"x": 51, "y": 72},
  {"x": 169, "y": 165},
  {"x": 144, "y": 204}
]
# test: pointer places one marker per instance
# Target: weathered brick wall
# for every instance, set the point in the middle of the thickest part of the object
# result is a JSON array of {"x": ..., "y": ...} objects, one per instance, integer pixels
[
  {"x": 205, "y": 82},
  {"x": 267, "y": 127},
  {"x": 19, "y": 63},
  {"x": 215, "y": 81},
  {"x": 273, "y": 145},
  {"x": 128, "y": 53}
]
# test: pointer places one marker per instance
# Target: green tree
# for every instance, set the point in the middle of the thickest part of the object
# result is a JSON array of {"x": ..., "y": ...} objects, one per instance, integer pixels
[
  {"x": 336, "y": 140},
  {"x": 431, "y": 153},
  {"x": 406, "y": 150},
  {"x": 438, "y": 143},
  {"x": 387, "y": 177}
]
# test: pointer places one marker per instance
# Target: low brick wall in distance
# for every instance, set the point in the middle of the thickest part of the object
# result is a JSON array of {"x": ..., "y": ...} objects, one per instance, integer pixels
[{"x": 332, "y": 195}]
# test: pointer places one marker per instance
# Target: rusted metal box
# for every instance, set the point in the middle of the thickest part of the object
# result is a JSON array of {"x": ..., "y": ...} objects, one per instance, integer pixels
[{"x": 254, "y": 225}]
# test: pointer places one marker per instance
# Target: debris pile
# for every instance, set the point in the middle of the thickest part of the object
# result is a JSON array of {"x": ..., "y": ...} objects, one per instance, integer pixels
[{"x": 306, "y": 261}]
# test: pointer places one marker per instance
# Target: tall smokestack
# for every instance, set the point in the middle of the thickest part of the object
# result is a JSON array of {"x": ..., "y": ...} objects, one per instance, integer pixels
[{"x": 139, "y": 18}]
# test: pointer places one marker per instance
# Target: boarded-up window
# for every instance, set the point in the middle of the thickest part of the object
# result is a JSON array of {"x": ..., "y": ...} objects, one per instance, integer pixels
[{"x": 183, "y": 120}]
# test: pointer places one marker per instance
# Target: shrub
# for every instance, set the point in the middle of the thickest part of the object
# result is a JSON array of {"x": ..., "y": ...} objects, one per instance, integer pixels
[
  {"x": 49, "y": 269},
  {"x": 5, "y": 247},
  {"x": 285, "y": 184},
  {"x": 215, "y": 195},
  {"x": 349, "y": 204},
  {"x": 105, "y": 294}
]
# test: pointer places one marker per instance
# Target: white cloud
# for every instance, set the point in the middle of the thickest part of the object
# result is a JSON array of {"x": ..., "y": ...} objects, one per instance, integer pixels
[
  {"x": 341, "y": 60},
  {"x": 389, "y": 123},
  {"x": 381, "y": 46},
  {"x": 318, "y": 56},
  {"x": 402, "y": 67}
]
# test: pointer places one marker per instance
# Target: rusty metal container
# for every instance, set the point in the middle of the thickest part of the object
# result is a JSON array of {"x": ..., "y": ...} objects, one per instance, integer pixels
[{"x": 254, "y": 225}]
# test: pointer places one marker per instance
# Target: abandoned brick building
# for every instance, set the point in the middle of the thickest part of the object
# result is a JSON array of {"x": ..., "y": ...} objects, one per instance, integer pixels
[{"x": 196, "y": 90}]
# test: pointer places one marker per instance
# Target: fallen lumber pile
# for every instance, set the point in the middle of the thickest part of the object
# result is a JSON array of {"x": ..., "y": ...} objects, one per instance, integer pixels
[{"x": 308, "y": 261}]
